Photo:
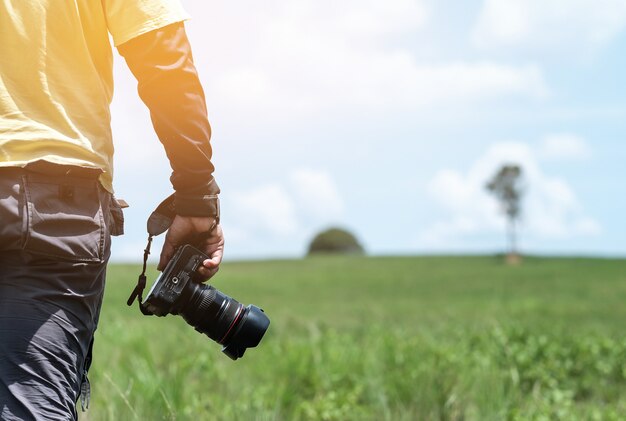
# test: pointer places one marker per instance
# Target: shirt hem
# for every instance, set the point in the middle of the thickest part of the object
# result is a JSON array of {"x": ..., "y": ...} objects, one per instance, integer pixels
[{"x": 148, "y": 26}]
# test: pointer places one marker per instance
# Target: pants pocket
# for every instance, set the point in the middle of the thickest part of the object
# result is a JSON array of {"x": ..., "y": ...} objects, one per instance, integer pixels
[
  {"x": 12, "y": 218},
  {"x": 117, "y": 218},
  {"x": 64, "y": 218}
]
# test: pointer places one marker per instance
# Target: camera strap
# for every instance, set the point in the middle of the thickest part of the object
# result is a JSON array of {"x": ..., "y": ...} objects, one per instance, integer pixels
[
  {"x": 141, "y": 282},
  {"x": 160, "y": 220}
]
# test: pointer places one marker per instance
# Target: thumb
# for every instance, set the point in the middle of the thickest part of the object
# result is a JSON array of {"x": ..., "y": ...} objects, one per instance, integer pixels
[
  {"x": 213, "y": 262},
  {"x": 169, "y": 247}
]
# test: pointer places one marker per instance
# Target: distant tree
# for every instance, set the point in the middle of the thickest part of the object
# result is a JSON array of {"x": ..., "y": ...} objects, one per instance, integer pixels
[
  {"x": 506, "y": 186},
  {"x": 336, "y": 241}
]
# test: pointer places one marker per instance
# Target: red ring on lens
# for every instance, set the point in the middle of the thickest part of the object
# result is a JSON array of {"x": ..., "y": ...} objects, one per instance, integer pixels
[{"x": 237, "y": 317}]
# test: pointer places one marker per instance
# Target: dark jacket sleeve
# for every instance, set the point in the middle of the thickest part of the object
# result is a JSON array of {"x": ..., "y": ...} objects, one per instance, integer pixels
[{"x": 161, "y": 61}]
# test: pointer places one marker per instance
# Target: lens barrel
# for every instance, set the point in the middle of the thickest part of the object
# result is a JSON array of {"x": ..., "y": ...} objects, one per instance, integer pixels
[{"x": 222, "y": 318}]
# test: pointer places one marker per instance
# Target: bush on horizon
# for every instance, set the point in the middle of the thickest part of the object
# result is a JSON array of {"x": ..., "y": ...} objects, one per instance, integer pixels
[{"x": 335, "y": 241}]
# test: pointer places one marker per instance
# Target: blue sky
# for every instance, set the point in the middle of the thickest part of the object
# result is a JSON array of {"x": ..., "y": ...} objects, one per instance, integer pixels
[{"x": 388, "y": 116}]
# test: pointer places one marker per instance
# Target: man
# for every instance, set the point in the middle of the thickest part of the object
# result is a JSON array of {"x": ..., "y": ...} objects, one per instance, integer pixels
[{"x": 57, "y": 211}]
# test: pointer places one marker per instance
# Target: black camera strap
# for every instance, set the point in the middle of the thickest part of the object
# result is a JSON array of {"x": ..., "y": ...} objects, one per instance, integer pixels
[
  {"x": 160, "y": 220},
  {"x": 141, "y": 282}
]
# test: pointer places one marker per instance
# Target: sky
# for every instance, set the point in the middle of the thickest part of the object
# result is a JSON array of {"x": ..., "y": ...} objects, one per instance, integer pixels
[{"x": 387, "y": 118}]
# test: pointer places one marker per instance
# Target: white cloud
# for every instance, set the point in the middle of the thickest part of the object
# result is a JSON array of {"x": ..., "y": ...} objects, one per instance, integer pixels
[
  {"x": 337, "y": 76},
  {"x": 379, "y": 80},
  {"x": 551, "y": 209},
  {"x": 588, "y": 226},
  {"x": 308, "y": 56},
  {"x": 306, "y": 200},
  {"x": 349, "y": 18},
  {"x": 564, "y": 146},
  {"x": 574, "y": 25},
  {"x": 268, "y": 209},
  {"x": 317, "y": 194}
]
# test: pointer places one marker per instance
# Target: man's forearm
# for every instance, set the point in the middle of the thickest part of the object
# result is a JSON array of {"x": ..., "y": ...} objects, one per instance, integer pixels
[{"x": 161, "y": 61}]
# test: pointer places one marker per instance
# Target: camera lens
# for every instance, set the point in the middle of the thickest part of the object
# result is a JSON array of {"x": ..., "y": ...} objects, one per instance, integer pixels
[{"x": 222, "y": 318}]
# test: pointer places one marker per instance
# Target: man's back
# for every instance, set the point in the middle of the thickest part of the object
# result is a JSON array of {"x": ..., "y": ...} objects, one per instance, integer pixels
[
  {"x": 55, "y": 141},
  {"x": 56, "y": 81}
]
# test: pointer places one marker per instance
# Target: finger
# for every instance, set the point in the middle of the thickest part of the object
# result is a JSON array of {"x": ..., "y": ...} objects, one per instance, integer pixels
[
  {"x": 214, "y": 261},
  {"x": 166, "y": 254},
  {"x": 207, "y": 273}
]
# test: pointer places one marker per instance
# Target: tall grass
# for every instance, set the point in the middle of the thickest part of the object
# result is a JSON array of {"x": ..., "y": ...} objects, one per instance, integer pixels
[{"x": 427, "y": 338}]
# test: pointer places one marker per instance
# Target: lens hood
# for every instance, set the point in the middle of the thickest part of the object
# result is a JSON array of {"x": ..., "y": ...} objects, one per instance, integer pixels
[{"x": 248, "y": 334}]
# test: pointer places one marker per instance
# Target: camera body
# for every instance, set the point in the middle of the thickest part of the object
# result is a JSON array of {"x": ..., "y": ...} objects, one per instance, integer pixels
[
  {"x": 169, "y": 286},
  {"x": 179, "y": 290}
]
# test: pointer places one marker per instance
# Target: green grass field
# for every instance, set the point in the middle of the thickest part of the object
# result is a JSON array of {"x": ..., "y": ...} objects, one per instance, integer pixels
[{"x": 424, "y": 338}]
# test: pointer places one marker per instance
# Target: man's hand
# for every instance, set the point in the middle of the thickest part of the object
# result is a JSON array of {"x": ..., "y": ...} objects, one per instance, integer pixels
[{"x": 185, "y": 227}]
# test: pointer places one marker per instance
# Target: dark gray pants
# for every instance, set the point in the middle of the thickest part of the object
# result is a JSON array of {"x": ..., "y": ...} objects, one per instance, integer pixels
[{"x": 55, "y": 235}]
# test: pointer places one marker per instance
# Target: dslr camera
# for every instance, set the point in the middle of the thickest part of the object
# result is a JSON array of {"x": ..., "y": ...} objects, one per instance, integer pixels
[{"x": 223, "y": 319}]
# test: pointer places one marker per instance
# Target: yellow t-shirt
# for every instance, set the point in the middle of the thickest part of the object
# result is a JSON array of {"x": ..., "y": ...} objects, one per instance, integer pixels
[{"x": 56, "y": 76}]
